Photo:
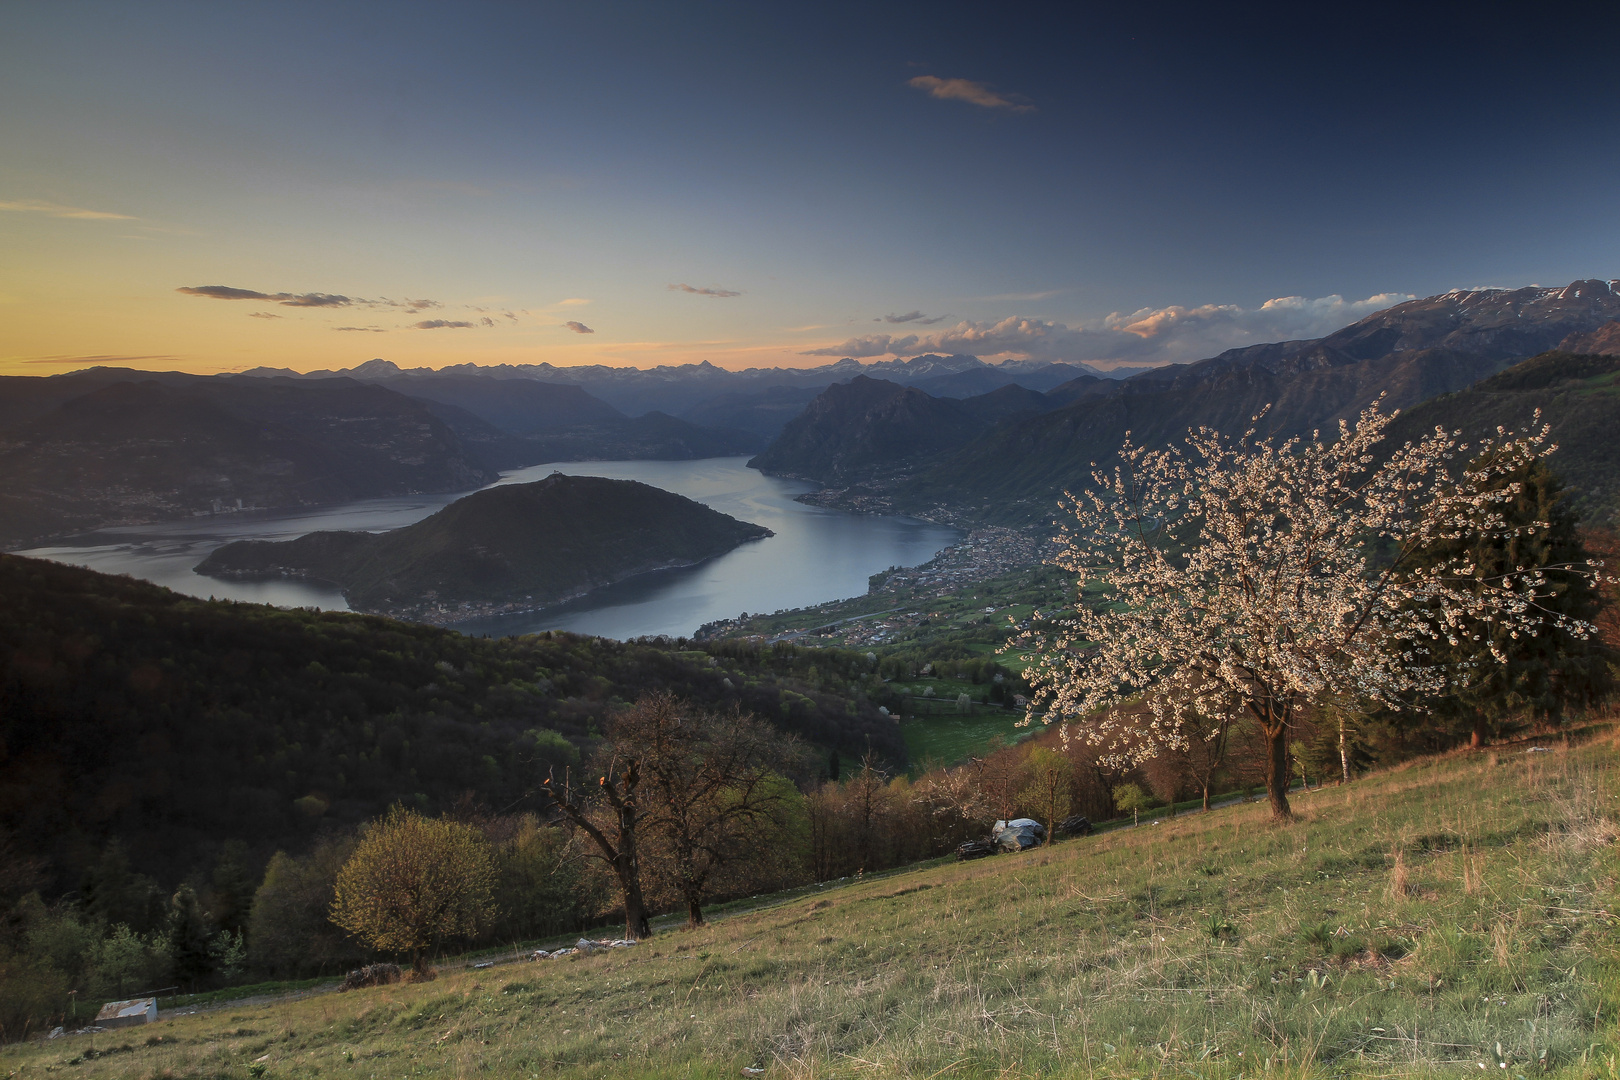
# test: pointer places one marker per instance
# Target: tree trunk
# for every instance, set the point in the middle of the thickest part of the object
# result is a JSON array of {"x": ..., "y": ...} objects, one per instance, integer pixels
[
  {"x": 1344, "y": 751},
  {"x": 1477, "y": 740},
  {"x": 1206, "y": 796},
  {"x": 636, "y": 926},
  {"x": 1277, "y": 773},
  {"x": 694, "y": 911}
]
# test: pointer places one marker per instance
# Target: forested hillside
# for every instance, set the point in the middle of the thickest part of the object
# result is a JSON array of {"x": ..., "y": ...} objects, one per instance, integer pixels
[
  {"x": 172, "y": 725},
  {"x": 1578, "y": 397}
]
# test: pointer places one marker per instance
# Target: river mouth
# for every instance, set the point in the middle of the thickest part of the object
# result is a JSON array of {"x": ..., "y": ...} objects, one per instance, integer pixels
[{"x": 816, "y": 554}]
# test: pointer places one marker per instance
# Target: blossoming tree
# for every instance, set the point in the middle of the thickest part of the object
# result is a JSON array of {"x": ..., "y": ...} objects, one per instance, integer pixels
[{"x": 1245, "y": 576}]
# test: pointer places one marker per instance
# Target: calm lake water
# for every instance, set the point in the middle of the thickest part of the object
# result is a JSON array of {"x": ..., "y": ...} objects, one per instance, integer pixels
[{"x": 816, "y": 554}]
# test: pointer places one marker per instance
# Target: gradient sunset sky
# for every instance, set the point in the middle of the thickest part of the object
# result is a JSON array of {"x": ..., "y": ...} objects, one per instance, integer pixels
[{"x": 209, "y": 187}]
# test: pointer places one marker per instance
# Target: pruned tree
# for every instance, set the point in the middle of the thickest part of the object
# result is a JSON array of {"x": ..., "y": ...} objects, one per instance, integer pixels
[
  {"x": 611, "y": 816},
  {"x": 1246, "y": 575},
  {"x": 413, "y": 882},
  {"x": 869, "y": 803},
  {"x": 1207, "y": 740}
]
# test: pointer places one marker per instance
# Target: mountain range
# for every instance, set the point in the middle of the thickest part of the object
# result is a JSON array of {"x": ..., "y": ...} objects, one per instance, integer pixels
[
  {"x": 940, "y": 436},
  {"x": 114, "y": 447},
  {"x": 1013, "y": 468},
  {"x": 108, "y": 446},
  {"x": 754, "y": 399}
]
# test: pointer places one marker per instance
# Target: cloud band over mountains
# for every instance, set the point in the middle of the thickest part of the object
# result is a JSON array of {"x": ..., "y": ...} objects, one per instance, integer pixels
[{"x": 1150, "y": 335}]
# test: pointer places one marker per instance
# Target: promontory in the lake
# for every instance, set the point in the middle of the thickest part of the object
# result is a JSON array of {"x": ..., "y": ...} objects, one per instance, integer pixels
[{"x": 512, "y": 548}]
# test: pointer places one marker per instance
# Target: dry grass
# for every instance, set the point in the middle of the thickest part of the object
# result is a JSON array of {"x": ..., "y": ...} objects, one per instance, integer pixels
[
  {"x": 1400, "y": 879},
  {"x": 1213, "y": 946}
]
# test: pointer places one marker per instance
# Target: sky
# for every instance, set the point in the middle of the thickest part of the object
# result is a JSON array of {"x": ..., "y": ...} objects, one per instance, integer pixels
[{"x": 211, "y": 187}]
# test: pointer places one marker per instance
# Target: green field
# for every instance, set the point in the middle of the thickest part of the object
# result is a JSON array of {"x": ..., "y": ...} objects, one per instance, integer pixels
[
  {"x": 952, "y": 739},
  {"x": 1450, "y": 917}
]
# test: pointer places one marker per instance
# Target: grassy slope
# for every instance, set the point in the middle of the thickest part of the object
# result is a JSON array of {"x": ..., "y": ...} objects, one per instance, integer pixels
[{"x": 1093, "y": 958}]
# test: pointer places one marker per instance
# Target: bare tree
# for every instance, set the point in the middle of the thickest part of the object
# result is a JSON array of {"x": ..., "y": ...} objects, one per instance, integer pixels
[
  {"x": 613, "y": 825},
  {"x": 867, "y": 799},
  {"x": 713, "y": 788},
  {"x": 680, "y": 793},
  {"x": 1278, "y": 576}
]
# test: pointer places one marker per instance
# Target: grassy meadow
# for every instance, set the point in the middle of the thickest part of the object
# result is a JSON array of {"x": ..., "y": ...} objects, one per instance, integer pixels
[
  {"x": 951, "y": 739},
  {"x": 1448, "y": 917}
]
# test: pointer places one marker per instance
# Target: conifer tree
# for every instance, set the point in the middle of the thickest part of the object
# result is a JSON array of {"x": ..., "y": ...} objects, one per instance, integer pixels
[{"x": 1543, "y": 669}]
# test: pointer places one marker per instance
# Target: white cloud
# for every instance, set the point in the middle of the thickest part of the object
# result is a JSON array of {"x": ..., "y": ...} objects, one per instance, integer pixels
[{"x": 1149, "y": 335}]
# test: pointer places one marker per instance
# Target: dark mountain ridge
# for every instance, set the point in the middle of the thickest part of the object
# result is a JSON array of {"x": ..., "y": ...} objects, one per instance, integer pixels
[
  {"x": 108, "y": 446},
  {"x": 106, "y": 449},
  {"x": 514, "y": 547},
  {"x": 1604, "y": 341},
  {"x": 865, "y": 425}
]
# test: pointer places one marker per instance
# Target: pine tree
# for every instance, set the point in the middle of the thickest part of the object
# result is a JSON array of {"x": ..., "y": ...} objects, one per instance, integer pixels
[
  {"x": 1547, "y": 669},
  {"x": 188, "y": 935}
]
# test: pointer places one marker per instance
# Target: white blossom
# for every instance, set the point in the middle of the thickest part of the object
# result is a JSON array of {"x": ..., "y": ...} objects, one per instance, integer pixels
[{"x": 1229, "y": 576}]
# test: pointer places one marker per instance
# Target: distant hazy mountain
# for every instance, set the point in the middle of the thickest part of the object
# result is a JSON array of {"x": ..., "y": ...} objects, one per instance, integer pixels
[
  {"x": 762, "y": 411},
  {"x": 516, "y": 406},
  {"x": 111, "y": 448},
  {"x": 708, "y": 394},
  {"x": 516, "y": 547},
  {"x": 854, "y": 429},
  {"x": 983, "y": 379},
  {"x": 551, "y": 421}
]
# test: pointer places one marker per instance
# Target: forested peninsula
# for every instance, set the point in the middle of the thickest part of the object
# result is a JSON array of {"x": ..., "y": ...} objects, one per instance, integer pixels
[{"x": 511, "y": 548}]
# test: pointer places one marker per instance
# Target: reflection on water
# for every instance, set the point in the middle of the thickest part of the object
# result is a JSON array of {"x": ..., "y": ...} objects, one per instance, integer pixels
[{"x": 816, "y": 554}]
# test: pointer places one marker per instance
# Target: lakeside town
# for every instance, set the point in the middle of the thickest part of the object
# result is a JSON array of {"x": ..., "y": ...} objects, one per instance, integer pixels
[{"x": 902, "y": 602}]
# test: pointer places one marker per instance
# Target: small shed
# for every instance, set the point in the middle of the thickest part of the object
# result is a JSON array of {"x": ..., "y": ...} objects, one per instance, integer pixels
[{"x": 117, "y": 1014}]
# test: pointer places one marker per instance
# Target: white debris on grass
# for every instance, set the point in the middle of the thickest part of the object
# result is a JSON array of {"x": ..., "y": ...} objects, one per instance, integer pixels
[{"x": 585, "y": 946}]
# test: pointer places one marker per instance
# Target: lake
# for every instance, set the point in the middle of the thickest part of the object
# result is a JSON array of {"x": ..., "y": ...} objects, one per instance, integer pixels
[{"x": 816, "y": 555}]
